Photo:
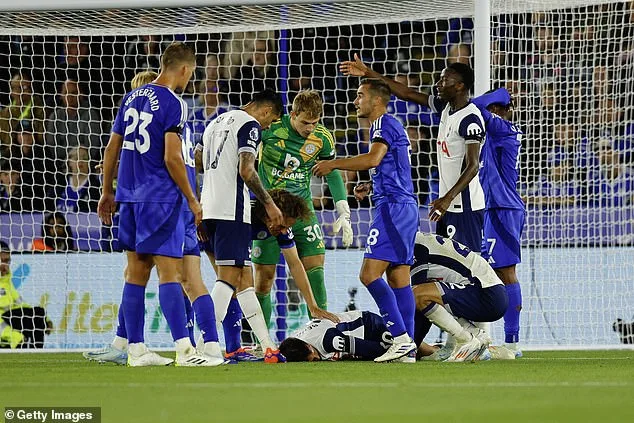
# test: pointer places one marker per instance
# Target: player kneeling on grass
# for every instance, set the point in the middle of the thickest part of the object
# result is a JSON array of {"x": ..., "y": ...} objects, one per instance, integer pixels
[
  {"x": 293, "y": 208},
  {"x": 450, "y": 282},
  {"x": 360, "y": 335}
]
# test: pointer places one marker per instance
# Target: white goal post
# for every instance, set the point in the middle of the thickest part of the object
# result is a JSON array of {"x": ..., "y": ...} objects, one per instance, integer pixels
[{"x": 64, "y": 66}]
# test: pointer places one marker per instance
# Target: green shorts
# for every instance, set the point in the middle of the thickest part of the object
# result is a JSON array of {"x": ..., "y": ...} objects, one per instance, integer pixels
[{"x": 309, "y": 240}]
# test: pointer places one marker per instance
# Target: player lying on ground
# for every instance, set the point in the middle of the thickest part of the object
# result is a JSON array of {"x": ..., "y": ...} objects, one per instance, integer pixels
[
  {"x": 360, "y": 335},
  {"x": 293, "y": 208},
  {"x": 450, "y": 282},
  {"x": 290, "y": 148},
  {"x": 505, "y": 213}
]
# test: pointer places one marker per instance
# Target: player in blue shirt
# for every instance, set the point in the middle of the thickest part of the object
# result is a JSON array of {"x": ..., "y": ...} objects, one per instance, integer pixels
[
  {"x": 152, "y": 185},
  {"x": 390, "y": 243},
  {"x": 459, "y": 210},
  {"x": 505, "y": 211}
]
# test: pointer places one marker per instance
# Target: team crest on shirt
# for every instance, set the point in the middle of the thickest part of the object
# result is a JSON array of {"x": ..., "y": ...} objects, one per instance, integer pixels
[
  {"x": 256, "y": 252},
  {"x": 254, "y": 134},
  {"x": 262, "y": 235},
  {"x": 3, "y": 292},
  {"x": 311, "y": 146},
  {"x": 310, "y": 149}
]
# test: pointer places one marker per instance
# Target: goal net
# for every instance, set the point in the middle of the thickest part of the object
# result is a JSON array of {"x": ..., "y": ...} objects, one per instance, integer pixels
[{"x": 569, "y": 65}]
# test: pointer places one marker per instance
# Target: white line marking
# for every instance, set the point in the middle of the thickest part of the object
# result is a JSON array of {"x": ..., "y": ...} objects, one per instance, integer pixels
[
  {"x": 311, "y": 385},
  {"x": 574, "y": 358}
]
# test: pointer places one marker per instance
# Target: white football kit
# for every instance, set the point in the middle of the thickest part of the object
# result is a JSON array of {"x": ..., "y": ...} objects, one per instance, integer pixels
[
  {"x": 441, "y": 259},
  {"x": 456, "y": 130},
  {"x": 224, "y": 195}
]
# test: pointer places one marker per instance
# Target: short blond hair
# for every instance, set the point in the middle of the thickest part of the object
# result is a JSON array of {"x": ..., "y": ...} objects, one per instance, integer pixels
[
  {"x": 142, "y": 78},
  {"x": 308, "y": 101},
  {"x": 177, "y": 53}
]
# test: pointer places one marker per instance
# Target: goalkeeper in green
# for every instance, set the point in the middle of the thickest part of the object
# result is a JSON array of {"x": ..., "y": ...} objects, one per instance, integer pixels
[{"x": 290, "y": 148}]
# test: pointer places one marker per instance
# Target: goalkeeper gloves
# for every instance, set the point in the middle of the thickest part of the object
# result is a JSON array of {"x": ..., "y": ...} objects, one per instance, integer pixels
[{"x": 343, "y": 222}]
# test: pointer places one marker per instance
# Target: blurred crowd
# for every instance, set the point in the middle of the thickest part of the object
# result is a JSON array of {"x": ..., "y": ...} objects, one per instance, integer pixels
[{"x": 571, "y": 75}]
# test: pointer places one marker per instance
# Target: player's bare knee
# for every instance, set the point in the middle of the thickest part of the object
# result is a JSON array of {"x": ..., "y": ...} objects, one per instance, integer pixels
[
  {"x": 367, "y": 277},
  {"x": 426, "y": 294},
  {"x": 507, "y": 275}
]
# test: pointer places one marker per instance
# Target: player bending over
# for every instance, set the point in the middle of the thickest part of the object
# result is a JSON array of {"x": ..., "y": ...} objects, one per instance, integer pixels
[
  {"x": 358, "y": 335},
  {"x": 390, "y": 242},
  {"x": 293, "y": 208},
  {"x": 505, "y": 213},
  {"x": 290, "y": 148},
  {"x": 152, "y": 184},
  {"x": 449, "y": 282}
]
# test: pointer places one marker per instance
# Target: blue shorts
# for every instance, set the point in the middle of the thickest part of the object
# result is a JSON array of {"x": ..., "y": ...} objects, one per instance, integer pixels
[
  {"x": 152, "y": 228},
  {"x": 191, "y": 236},
  {"x": 374, "y": 328},
  {"x": 502, "y": 233},
  {"x": 474, "y": 302},
  {"x": 465, "y": 227},
  {"x": 229, "y": 241},
  {"x": 392, "y": 233}
]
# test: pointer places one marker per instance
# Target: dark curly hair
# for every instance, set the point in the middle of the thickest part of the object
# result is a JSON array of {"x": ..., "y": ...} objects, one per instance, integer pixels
[
  {"x": 290, "y": 205},
  {"x": 295, "y": 349}
]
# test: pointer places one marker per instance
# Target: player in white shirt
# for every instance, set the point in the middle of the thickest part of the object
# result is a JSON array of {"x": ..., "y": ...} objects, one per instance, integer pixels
[
  {"x": 229, "y": 150},
  {"x": 450, "y": 282},
  {"x": 459, "y": 211},
  {"x": 358, "y": 335}
]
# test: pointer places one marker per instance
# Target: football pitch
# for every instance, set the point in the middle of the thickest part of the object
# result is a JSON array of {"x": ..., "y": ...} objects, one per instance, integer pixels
[{"x": 562, "y": 386}]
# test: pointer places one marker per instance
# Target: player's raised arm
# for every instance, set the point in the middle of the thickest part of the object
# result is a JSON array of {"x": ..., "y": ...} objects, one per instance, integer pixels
[
  {"x": 361, "y": 162},
  {"x": 402, "y": 91}
]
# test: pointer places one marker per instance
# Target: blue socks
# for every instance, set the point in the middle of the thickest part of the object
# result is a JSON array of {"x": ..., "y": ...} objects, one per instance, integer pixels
[
  {"x": 173, "y": 306},
  {"x": 407, "y": 306},
  {"x": 189, "y": 319},
  {"x": 206, "y": 318},
  {"x": 232, "y": 326},
  {"x": 386, "y": 300},
  {"x": 133, "y": 305},
  {"x": 512, "y": 315}
]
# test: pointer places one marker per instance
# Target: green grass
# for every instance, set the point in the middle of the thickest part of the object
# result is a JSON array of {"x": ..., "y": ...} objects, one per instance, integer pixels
[{"x": 565, "y": 386}]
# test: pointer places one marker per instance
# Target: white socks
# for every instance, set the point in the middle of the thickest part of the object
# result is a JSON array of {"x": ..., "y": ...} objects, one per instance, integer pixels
[
  {"x": 445, "y": 321},
  {"x": 253, "y": 313},
  {"x": 221, "y": 295},
  {"x": 485, "y": 326}
]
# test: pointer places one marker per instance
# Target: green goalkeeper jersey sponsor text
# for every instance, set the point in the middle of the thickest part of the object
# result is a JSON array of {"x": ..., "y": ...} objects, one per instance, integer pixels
[{"x": 286, "y": 159}]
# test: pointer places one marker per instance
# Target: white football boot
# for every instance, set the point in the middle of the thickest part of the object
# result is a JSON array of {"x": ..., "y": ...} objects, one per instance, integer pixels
[{"x": 140, "y": 356}]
